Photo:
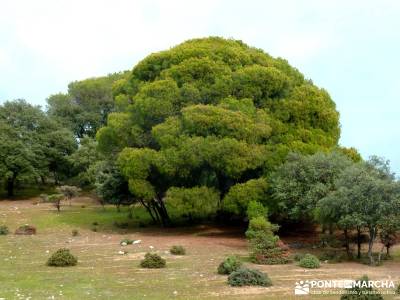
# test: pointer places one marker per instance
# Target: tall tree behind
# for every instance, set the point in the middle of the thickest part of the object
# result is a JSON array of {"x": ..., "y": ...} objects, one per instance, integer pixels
[{"x": 84, "y": 109}]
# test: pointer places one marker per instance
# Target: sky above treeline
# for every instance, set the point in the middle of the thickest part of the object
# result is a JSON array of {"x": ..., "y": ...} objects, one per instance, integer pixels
[{"x": 350, "y": 48}]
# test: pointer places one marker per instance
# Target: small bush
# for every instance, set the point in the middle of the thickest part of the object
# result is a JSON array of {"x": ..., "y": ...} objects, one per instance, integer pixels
[
  {"x": 153, "y": 261},
  {"x": 309, "y": 261},
  {"x": 95, "y": 223},
  {"x": 229, "y": 265},
  {"x": 4, "y": 230},
  {"x": 125, "y": 242},
  {"x": 75, "y": 232},
  {"x": 94, "y": 229},
  {"x": 398, "y": 290},
  {"x": 244, "y": 276},
  {"x": 298, "y": 256},
  {"x": 177, "y": 250},
  {"x": 62, "y": 258},
  {"x": 361, "y": 293}
]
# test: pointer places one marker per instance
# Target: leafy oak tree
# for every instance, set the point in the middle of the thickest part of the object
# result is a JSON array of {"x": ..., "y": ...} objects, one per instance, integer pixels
[
  {"x": 32, "y": 146},
  {"x": 213, "y": 113},
  {"x": 366, "y": 195},
  {"x": 303, "y": 180}
]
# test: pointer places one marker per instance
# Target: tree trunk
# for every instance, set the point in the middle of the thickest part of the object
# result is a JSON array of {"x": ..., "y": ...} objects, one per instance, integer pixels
[
  {"x": 372, "y": 233},
  {"x": 148, "y": 210},
  {"x": 358, "y": 243},
  {"x": 388, "y": 250},
  {"x": 10, "y": 186},
  {"x": 346, "y": 239}
]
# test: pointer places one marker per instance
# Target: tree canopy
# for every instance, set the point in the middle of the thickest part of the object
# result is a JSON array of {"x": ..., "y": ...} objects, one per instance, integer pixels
[
  {"x": 84, "y": 109},
  {"x": 32, "y": 146},
  {"x": 212, "y": 112}
]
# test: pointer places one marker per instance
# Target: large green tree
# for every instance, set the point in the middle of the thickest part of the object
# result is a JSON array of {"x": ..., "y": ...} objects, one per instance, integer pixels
[
  {"x": 32, "y": 146},
  {"x": 216, "y": 113},
  {"x": 84, "y": 109},
  {"x": 366, "y": 195}
]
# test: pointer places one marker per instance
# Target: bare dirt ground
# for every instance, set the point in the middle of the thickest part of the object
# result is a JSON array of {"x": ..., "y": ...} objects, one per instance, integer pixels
[{"x": 104, "y": 274}]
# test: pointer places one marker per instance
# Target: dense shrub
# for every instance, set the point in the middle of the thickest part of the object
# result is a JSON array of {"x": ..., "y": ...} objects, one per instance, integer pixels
[
  {"x": 177, "y": 250},
  {"x": 153, "y": 261},
  {"x": 362, "y": 292},
  {"x": 229, "y": 265},
  {"x": 62, "y": 258},
  {"x": 4, "y": 230},
  {"x": 265, "y": 246},
  {"x": 309, "y": 261},
  {"x": 298, "y": 256},
  {"x": 398, "y": 289},
  {"x": 244, "y": 276},
  {"x": 26, "y": 230}
]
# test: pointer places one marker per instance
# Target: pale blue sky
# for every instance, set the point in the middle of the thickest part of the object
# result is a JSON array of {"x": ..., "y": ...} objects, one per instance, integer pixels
[{"x": 351, "y": 48}]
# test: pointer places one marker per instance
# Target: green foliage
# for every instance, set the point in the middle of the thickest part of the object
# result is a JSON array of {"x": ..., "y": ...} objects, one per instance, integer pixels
[
  {"x": 366, "y": 195},
  {"x": 4, "y": 230},
  {"x": 333, "y": 256},
  {"x": 245, "y": 276},
  {"x": 302, "y": 181},
  {"x": 32, "y": 146},
  {"x": 62, "y": 258},
  {"x": 84, "y": 109},
  {"x": 265, "y": 246},
  {"x": 239, "y": 197},
  {"x": 398, "y": 289},
  {"x": 110, "y": 185},
  {"x": 256, "y": 209},
  {"x": 125, "y": 242},
  {"x": 309, "y": 261},
  {"x": 216, "y": 113},
  {"x": 56, "y": 200},
  {"x": 153, "y": 261},
  {"x": 229, "y": 265},
  {"x": 364, "y": 292},
  {"x": 177, "y": 250},
  {"x": 193, "y": 201},
  {"x": 298, "y": 256}
]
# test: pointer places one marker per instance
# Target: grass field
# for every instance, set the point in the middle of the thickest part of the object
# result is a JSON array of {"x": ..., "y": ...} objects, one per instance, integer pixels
[{"x": 102, "y": 273}]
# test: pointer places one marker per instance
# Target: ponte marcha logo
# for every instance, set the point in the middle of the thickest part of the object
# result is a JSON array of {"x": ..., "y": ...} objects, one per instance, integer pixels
[{"x": 302, "y": 288}]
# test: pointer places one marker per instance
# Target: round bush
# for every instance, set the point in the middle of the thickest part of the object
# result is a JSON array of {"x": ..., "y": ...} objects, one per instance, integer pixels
[
  {"x": 177, "y": 250},
  {"x": 153, "y": 261},
  {"x": 309, "y": 261},
  {"x": 244, "y": 276},
  {"x": 229, "y": 265},
  {"x": 4, "y": 230},
  {"x": 62, "y": 258},
  {"x": 75, "y": 232}
]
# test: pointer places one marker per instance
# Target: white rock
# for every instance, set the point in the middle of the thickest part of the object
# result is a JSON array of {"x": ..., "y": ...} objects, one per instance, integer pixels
[
  {"x": 175, "y": 293},
  {"x": 124, "y": 244},
  {"x": 121, "y": 252},
  {"x": 137, "y": 242},
  {"x": 151, "y": 247}
]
